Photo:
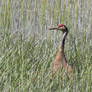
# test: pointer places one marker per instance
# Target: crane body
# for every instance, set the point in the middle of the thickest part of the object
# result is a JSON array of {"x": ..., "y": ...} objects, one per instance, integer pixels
[{"x": 60, "y": 58}]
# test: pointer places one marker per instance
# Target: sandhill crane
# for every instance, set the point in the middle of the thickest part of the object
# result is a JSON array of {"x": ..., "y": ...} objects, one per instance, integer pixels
[{"x": 60, "y": 56}]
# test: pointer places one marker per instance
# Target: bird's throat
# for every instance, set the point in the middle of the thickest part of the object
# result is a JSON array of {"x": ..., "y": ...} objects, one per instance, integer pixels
[{"x": 63, "y": 41}]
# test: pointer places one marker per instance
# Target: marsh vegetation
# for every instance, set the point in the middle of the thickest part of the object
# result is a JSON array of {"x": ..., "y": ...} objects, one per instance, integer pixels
[{"x": 27, "y": 47}]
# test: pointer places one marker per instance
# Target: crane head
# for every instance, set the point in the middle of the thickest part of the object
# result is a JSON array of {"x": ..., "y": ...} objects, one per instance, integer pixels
[{"x": 60, "y": 27}]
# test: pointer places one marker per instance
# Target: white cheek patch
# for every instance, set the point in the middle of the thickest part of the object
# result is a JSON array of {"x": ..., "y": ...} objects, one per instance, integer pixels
[{"x": 62, "y": 28}]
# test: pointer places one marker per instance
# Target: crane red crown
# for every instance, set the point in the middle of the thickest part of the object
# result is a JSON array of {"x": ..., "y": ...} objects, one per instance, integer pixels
[{"x": 60, "y": 25}]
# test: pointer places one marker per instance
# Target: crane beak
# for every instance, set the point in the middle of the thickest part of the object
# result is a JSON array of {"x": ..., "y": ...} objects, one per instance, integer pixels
[
  {"x": 53, "y": 28},
  {"x": 56, "y": 28}
]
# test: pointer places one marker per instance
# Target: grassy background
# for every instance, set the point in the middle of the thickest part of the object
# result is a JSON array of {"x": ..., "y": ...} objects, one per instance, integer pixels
[{"x": 27, "y": 47}]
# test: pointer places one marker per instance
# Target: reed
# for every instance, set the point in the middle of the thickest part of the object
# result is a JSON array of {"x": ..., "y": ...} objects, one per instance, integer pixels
[{"x": 27, "y": 47}]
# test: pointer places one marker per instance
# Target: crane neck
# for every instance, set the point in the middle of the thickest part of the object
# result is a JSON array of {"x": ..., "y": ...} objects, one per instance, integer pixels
[{"x": 63, "y": 41}]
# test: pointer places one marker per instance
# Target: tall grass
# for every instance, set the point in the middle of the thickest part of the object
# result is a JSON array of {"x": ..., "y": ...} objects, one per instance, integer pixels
[{"x": 27, "y": 47}]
